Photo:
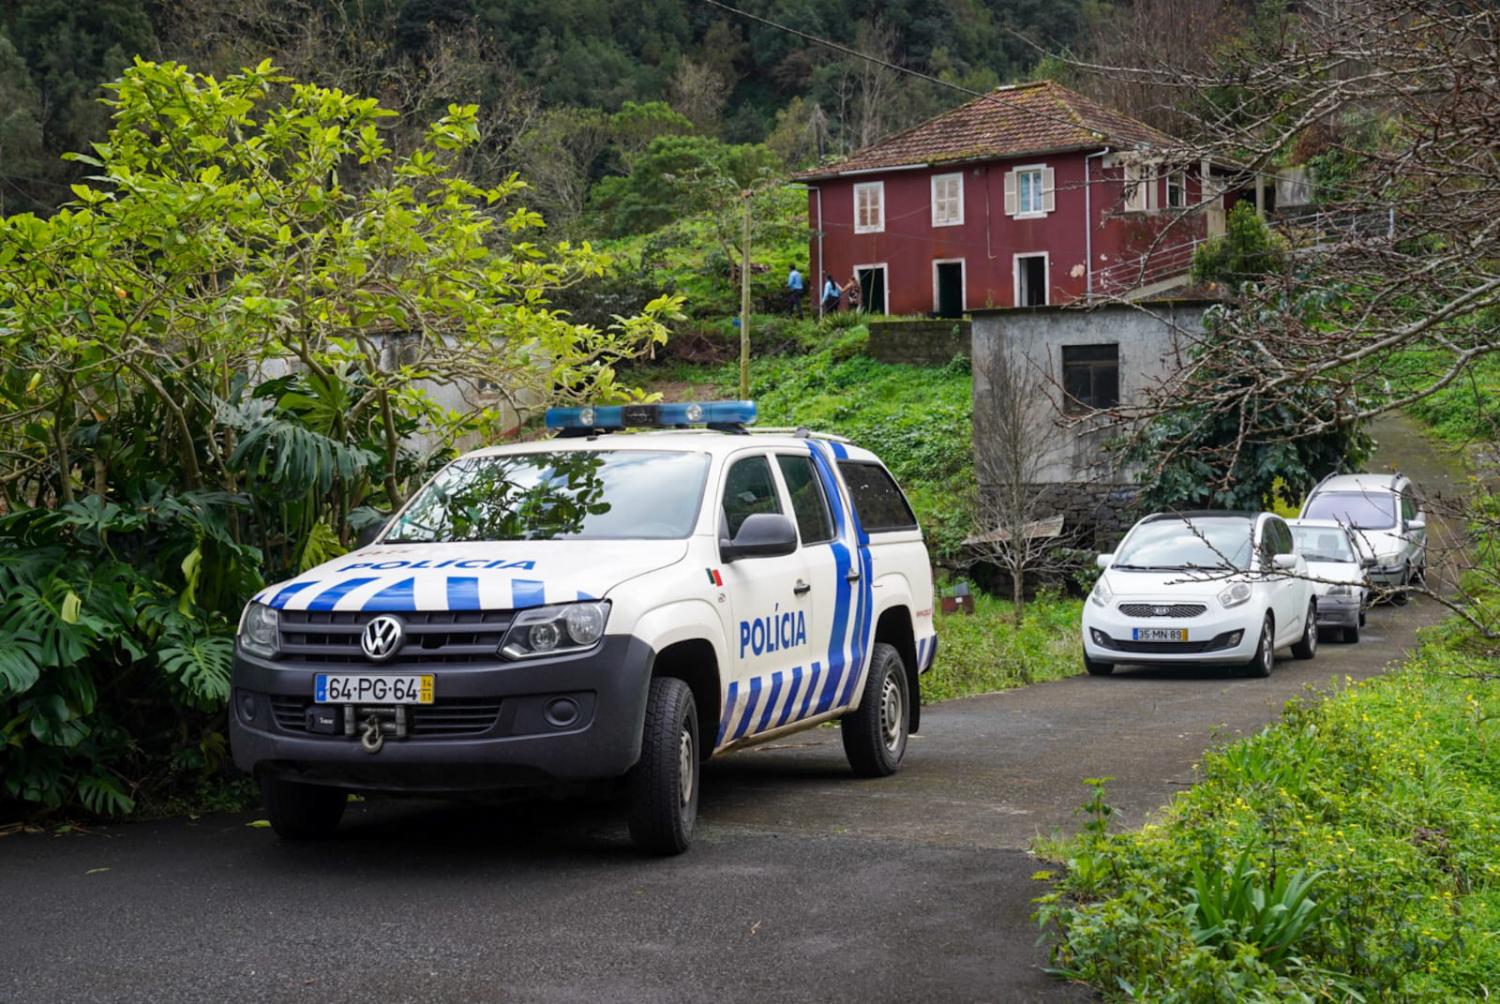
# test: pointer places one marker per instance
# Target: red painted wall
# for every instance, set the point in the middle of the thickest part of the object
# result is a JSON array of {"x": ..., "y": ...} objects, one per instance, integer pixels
[{"x": 988, "y": 239}]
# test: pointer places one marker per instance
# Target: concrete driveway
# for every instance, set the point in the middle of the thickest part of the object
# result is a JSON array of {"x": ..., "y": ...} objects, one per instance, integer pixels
[{"x": 804, "y": 884}]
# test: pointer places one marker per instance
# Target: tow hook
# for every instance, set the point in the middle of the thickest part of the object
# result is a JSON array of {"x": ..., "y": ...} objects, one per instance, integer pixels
[
  {"x": 372, "y": 739},
  {"x": 374, "y": 725}
]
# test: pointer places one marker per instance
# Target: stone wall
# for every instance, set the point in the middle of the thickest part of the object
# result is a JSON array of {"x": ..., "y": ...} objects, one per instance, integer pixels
[{"x": 919, "y": 342}]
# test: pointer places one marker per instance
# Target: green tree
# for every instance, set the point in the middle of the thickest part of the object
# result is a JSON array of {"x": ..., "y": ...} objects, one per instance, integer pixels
[
  {"x": 1246, "y": 252},
  {"x": 675, "y": 177}
]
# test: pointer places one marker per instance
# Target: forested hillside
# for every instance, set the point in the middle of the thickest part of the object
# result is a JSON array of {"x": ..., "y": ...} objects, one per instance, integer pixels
[{"x": 547, "y": 73}]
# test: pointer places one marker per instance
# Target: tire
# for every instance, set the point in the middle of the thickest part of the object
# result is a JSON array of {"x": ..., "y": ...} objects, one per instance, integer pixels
[
  {"x": 1096, "y": 668},
  {"x": 1399, "y": 598},
  {"x": 1264, "y": 660},
  {"x": 875, "y": 733},
  {"x": 1361, "y": 620},
  {"x": 1351, "y": 635},
  {"x": 302, "y": 811},
  {"x": 663, "y": 784},
  {"x": 1307, "y": 646}
]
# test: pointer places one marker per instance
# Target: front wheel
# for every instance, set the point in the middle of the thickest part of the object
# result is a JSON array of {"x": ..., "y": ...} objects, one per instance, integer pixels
[
  {"x": 1096, "y": 668},
  {"x": 302, "y": 811},
  {"x": 875, "y": 733},
  {"x": 1400, "y": 597},
  {"x": 664, "y": 782},
  {"x": 1351, "y": 635},
  {"x": 1307, "y": 646},
  {"x": 1264, "y": 659}
]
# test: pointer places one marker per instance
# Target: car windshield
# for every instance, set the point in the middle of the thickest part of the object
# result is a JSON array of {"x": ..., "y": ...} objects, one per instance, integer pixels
[
  {"x": 1361, "y": 510},
  {"x": 1323, "y": 543},
  {"x": 1180, "y": 544},
  {"x": 560, "y": 495}
]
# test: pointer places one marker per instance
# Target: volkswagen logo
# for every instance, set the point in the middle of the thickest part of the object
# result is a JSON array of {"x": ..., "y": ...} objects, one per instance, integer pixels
[{"x": 381, "y": 638}]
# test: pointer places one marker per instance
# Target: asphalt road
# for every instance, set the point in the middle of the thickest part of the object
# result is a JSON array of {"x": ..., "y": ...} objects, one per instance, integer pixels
[{"x": 804, "y": 883}]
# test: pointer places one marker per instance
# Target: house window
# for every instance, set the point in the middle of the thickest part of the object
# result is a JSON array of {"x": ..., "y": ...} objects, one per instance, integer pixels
[
  {"x": 1029, "y": 192},
  {"x": 1135, "y": 187},
  {"x": 1031, "y": 280},
  {"x": 869, "y": 207},
  {"x": 1176, "y": 190},
  {"x": 1091, "y": 377},
  {"x": 947, "y": 200}
]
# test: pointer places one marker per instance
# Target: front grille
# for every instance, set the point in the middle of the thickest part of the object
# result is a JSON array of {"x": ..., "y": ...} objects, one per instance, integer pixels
[
  {"x": 1178, "y": 610},
  {"x": 445, "y": 636},
  {"x": 1225, "y": 640},
  {"x": 459, "y": 716}
]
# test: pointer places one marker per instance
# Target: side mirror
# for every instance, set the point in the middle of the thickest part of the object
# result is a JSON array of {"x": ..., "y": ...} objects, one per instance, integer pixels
[
  {"x": 1419, "y": 523},
  {"x": 1284, "y": 562},
  {"x": 762, "y": 535},
  {"x": 365, "y": 535},
  {"x": 1104, "y": 560}
]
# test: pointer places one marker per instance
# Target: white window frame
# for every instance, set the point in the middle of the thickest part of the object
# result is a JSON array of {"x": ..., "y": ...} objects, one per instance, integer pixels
[
  {"x": 1133, "y": 185},
  {"x": 963, "y": 283},
  {"x": 1015, "y": 277},
  {"x": 878, "y": 187},
  {"x": 885, "y": 283},
  {"x": 1040, "y": 170},
  {"x": 933, "y": 189}
]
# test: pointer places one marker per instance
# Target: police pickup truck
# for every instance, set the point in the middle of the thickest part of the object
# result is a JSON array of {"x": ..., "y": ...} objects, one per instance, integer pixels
[{"x": 600, "y": 604}]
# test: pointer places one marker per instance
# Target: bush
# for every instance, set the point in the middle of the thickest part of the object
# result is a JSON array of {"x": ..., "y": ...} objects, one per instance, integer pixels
[{"x": 984, "y": 652}]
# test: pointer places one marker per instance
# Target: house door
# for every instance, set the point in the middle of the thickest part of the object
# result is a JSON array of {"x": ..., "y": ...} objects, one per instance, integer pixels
[
  {"x": 948, "y": 282},
  {"x": 872, "y": 287},
  {"x": 1031, "y": 280}
]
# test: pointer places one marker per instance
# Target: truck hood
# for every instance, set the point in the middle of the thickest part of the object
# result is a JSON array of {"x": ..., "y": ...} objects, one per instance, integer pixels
[{"x": 500, "y": 575}]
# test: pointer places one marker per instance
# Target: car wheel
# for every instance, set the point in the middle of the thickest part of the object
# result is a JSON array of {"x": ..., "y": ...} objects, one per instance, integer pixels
[
  {"x": 1399, "y": 597},
  {"x": 664, "y": 782},
  {"x": 1351, "y": 634},
  {"x": 1095, "y": 667},
  {"x": 875, "y": 733},
  {"x": 1361, "y": 618},
  {"x": 302, "y": 811},
  {"x": 1307, "y": 647},
  {"x": 1264, "y": 659}
]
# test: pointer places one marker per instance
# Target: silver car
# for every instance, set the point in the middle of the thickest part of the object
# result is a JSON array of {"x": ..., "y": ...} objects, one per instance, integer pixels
[{"x": 1384, "y": 513}]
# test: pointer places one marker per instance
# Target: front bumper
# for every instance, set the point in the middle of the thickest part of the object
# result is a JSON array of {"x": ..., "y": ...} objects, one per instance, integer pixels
[
  {"x": 518, "y": 747},
  {"x": 1214, "y": 636},
  {"x": 1338, "y": 611}
]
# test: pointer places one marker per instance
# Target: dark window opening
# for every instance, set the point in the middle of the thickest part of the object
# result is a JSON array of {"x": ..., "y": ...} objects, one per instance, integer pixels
[
  {"x": 950, "y": 289},
  {"x": 872, "y": 289},
  {"x": 1031, "y": 281},
  {"x": 876, "y": 498},
  {"x": 1091, "y": 377},
  {"x": 808, "y": 503}
]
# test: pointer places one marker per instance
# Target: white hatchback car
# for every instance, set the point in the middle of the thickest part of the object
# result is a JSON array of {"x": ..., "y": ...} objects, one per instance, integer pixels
[
  {"x": 1201, "y": 587},
  {"x": 1338, "y": 567}
]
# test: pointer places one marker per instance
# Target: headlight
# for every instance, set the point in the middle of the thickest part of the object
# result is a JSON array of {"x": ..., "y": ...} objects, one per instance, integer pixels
[
  {"x": 567, "y": 627},
  {"x": 1341, "y": 591},
  {"x": 1235, "y": 595},
  {"x": 1101, "y": 595},
  {"x": 260, "y": 630}
]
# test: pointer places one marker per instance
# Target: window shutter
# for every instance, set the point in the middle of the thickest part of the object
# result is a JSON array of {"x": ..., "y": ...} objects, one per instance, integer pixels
[
  {"x": 1153, "y": 187},
  {"x": 1049, "y": 201},
  {"x": 1010, "y": 193}
]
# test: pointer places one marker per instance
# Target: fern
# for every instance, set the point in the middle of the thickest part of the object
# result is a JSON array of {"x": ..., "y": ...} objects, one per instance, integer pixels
[{"x": 201, "y": 665}]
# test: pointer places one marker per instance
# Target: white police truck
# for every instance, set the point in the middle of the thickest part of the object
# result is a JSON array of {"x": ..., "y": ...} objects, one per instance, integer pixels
[{"x": 600, "y": 604}]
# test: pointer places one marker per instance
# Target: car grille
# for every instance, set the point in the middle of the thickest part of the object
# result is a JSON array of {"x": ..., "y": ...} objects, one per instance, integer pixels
[
  {"x": 446, "y": 636},
  {"x": 455, "y": 717},
  {"x": 1169, "y": 647},
  {"x": 1178, "y": 610}
]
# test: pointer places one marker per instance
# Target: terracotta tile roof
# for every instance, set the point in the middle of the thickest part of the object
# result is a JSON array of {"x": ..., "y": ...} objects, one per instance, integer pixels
[{"x": 1007, "y": 122}]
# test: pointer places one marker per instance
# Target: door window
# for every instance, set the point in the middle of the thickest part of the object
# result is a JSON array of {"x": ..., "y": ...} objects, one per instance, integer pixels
[
  {"x": 877, "y": 500},
  {"x": 808, "y": 504},
  {"x": 748, "y": 490}
]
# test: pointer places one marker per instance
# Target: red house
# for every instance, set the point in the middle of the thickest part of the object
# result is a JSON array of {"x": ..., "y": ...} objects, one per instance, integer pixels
[{"x": 1029, "y": 195}]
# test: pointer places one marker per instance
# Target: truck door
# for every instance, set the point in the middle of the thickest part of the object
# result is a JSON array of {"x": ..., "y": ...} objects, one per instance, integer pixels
[{"x": 772, "y": 603}]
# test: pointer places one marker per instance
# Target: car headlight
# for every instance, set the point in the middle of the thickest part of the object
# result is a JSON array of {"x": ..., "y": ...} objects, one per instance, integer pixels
[
  {"x": 555, "y": 630},
  {"x": 1341, "y": 591},
  {"x": 1101, "y": 595},
  {"x": 260, "y": 630},
  {"x": 1234, "y": 595}
]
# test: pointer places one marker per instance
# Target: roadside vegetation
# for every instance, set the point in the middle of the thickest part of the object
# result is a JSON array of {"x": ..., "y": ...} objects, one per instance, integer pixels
[{"x": 985, "y": 652}]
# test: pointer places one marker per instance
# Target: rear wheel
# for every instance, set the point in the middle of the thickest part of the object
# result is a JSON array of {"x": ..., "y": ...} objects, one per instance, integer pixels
[
  {"x": 874, "y": 734},
  {"x": 664, "y": 782},
  {"x": 1351, "y": 634},
  {"x": 1264, "y": 659},
  {"x": 1095, "y": 667},
  {"x": 302, "y": 811},
  {"x": 1307, "y": 646},
  {"x": 1400, "y": 597}
]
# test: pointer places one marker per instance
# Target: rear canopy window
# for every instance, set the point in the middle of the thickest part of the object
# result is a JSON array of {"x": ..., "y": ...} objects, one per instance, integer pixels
[
  {"x": 877, "y": 499},
  {"x": 1361, "y": 510},
  {"x": 559, "y": 495}
]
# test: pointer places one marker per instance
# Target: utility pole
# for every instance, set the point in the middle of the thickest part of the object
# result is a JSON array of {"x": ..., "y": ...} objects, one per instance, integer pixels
[{"x": 745, "y": 300}]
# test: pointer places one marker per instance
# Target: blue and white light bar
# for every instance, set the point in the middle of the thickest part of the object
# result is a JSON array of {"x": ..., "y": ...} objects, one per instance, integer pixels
[{"x": 603, "y": 418}]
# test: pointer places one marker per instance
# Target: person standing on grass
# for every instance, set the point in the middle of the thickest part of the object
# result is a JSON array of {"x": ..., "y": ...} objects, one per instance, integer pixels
[
  {"x": 831, "y": 292},
  {"x": 795, "y": 288},
  {"x": 853, "y": 294}
]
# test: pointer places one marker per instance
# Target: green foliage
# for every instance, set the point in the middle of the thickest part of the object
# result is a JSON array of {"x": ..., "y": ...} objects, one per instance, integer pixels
[
  {"x": 674, "y": 177},
  {"x": 1463, "y": 412},
  {"x": 1350, "y": 851},
  {"x": 1247, "y": 252},
  {"x": 155, "y": 470},
  {"x": 985, "y": 651}
]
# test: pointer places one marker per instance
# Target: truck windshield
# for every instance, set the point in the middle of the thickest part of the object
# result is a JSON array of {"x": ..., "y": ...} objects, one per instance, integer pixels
[
  {"x": 1363, "y": 511},
  {"x": 560, "y": 495},
  {"x": 1181, "y": 544}
]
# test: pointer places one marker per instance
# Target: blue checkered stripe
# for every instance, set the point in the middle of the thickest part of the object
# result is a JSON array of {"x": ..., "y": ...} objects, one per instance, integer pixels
[
  {"x": 387, "y": 594},
  {"x": 787, "y": 696}
]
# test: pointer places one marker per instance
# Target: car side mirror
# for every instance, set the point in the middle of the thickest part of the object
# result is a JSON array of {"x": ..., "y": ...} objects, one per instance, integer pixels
[
  {"x": 762, "y": 535},
  {"x": 1104, "y": 560},
  {"x": 1366, "y": 562},
  {"x": 1284, "y": 562},
  {"x": 1419, "y": 523}
]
